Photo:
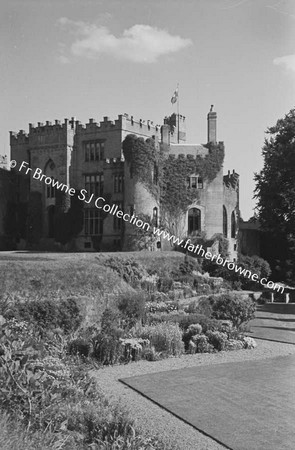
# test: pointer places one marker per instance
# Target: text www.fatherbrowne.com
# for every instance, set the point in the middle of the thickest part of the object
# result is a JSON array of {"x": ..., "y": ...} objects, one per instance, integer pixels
[{"x": 100, "y": 203}]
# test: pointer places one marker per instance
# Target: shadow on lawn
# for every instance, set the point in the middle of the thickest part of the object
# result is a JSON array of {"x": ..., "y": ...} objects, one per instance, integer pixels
[
  {"x": 273, "y": 328},
  {"x": 275, "y": 318},
  {"x": 277, "y": 308}
]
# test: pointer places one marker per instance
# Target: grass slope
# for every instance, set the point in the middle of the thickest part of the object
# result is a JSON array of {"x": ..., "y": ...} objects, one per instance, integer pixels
[{"x": 33, "y": 275}]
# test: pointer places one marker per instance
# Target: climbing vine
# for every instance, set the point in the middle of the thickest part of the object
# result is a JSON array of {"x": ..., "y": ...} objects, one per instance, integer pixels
[{"x": 171, "y": 187}]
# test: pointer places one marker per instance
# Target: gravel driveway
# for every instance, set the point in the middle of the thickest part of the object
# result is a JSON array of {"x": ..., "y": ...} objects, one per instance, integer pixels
[{"x": 155, "y": 420}]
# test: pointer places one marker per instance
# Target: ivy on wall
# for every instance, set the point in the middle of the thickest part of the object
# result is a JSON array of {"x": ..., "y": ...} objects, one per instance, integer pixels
[
  {"x": 142, "y": 158},
  {"x": 171, "y": 189}
]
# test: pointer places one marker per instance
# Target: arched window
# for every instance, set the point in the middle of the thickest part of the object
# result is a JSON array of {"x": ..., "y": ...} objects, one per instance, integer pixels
[
  {"x": 155, "y": 216},
  {"x": 50, "y": 171},
  {"x": 194, "y": 220},
  {"x": 233, "y": 225},
  {"x": 224, "y": 222}
]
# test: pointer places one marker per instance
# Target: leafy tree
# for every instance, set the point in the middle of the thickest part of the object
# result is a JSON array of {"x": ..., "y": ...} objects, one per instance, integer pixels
[{"x": 275, "y": 194}]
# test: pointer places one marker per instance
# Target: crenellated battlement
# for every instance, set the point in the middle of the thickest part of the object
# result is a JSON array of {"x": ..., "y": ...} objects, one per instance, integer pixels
[
  {"x": 20, "y": 137},
  {"x": 231, "y": 179},
  {"x": 123, "y": 122},
  {"x": 182, "y": 156},
  {"x": 45, "y": 129}
]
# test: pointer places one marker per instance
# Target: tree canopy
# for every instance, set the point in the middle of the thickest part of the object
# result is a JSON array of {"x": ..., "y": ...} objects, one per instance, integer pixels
[{"x": 275, "y": 194}]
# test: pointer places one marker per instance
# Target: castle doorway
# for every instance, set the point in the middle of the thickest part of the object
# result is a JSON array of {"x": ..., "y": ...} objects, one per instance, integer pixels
[
  {"x": 194, "y": 220},
  {"x": 50, "y": 215}
]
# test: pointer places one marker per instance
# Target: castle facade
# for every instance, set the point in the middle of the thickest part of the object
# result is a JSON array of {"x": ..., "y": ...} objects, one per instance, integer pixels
[{"x": 89, "y": 157}]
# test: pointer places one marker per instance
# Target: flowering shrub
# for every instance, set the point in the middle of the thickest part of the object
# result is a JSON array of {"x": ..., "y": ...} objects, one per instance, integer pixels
[
  {"x": 234, "y": 344},
  {"x": 249, "y": 342},
  {"x": 56, "y": 398},
  {"x": 159, "y": 307}
]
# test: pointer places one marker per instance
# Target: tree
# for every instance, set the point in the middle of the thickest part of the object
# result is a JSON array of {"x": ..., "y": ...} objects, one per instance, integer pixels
[{"x": 275, "y": 194}]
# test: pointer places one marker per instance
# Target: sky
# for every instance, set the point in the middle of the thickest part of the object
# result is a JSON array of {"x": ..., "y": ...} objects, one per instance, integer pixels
[{"x": 96, "y": 58}]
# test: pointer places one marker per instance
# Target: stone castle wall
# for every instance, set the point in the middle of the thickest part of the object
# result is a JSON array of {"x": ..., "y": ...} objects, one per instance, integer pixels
[{"x": 58, "y": 150}]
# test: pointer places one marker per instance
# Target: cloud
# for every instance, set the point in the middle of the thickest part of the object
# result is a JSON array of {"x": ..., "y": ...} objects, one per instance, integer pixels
[
  {"x": 287, "y": 62},
  {"x": 140, "y": 43},
  {"x": 63, "y": 59}
]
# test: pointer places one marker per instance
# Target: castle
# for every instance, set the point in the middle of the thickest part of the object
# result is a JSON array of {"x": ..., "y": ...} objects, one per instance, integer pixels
[{"x": 90, "y": 157}]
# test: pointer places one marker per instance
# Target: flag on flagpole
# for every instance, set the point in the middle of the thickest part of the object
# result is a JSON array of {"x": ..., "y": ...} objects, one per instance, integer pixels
[{"x": 174, "y": 96}]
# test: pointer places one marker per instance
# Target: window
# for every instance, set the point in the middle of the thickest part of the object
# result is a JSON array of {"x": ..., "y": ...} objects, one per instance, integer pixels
[
  {"x": 117, "y": 224},
  {"x": 155, "y": 216},
  {"x": 94, "y": 184},
  {"x": 50, "y": 190},
  {"x": 194, "y": 220},
  {"x": 118, "y": 183},
  {"x": 224, "y": 222},
  {"x": 93, "y": 223},
  {"x": 233, "y": 225},
  {"x": 195, "y": 182},
  {"x": 94, "y": 150}
]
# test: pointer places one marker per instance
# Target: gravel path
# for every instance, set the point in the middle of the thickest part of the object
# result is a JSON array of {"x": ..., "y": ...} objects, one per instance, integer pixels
[{"x": 155, "y": 420}]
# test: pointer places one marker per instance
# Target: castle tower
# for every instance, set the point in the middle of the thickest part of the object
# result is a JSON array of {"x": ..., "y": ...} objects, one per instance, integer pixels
[{"x": 177, "y": 128}]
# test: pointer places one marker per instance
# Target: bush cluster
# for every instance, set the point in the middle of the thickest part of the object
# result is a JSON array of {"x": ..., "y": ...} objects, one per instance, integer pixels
[
  {"x": 128, "y": 268},
  {"x": 159, "y": 307},
  {"x": 233, "y": 307},
  {"x": 49, "y": 314},
  {"x": 37, "y": 384},
  {"x": 132, "y": 307},
  {"x": 166, "y": 338}
]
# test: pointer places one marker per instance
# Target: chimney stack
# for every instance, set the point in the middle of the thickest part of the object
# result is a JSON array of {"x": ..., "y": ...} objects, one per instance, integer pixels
[{"x": 212, "y": 126}]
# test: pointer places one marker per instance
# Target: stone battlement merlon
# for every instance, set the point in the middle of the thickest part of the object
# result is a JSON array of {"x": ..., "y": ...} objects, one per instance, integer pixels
[
  {"x": 231, "y": 179},
  {"x": 41, "y": 128},
  {"x": 20, "y": 137},
  {"x": 123, "y": 122},
  {"x": 183, "y": 156}
]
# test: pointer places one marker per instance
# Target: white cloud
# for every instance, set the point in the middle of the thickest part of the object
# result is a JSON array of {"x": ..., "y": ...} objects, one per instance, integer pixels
[
  {"x": 63, "y": 59},
  {"x": 140, "y": 43},
  {"x": 288, "y": 62}
]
